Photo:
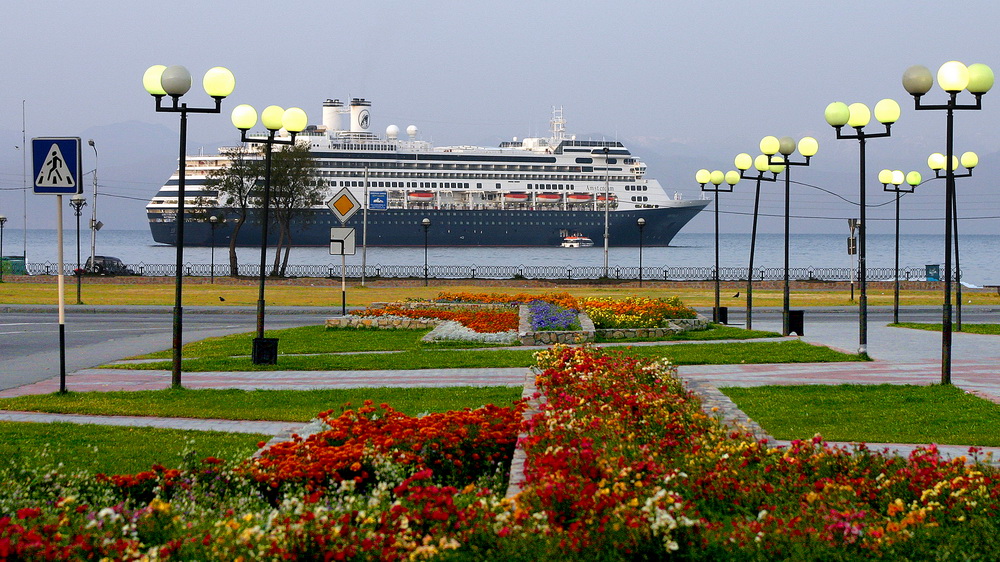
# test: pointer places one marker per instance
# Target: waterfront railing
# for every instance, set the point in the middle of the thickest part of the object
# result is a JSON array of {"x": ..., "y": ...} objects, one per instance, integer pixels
[{"x": 539, "y": 272}]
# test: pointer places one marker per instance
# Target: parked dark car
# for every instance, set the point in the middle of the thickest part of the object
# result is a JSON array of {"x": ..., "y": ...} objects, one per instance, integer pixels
[{"x": 107, "y": 265}]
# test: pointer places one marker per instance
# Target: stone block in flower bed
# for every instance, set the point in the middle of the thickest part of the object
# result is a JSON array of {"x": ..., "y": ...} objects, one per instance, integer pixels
[
  {"x": 381, "y": 322},
  {"x": 674, "y": 326}
]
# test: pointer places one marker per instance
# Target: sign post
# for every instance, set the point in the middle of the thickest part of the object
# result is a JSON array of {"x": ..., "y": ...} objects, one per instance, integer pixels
[
  {"x": 343, "y": 241},
  {"x": 57, "y": 169},
  {"x": 343, "y": 205}
]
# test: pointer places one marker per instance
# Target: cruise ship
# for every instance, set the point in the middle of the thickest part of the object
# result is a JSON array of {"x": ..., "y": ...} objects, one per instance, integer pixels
[{"x": 532, "y": 191}]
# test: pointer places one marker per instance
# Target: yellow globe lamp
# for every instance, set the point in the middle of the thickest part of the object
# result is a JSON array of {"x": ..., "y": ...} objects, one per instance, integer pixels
[
  {"x": 808, "y": 147},
  {"x": 914, "y": 178},
  {"x": 732, "y": 177},
  {"x": 244, "y": 117},
  {"x": 953, "y": 76},
  {"x": 294, "y": 120},
  {"x": 970, "y": 160},
  {"x": 885, "y": 177},
  {"x": 860, "y": 115},
  {"x": 762, "y": 163},
  {"x": 271, "y": 117},
  {"x": 936, "y": 161},
  {"x": 887, "y": 111},
  {"x": 980, "y": 78},
  {"x": 837, "y": 114},
  {"x": 151, "y": 80},
  {"x": 769, "y": 145},
  {"x": 718, "y": 177},
  {"x": 219, "y": 82},
  {"x": 743, "y": 161},
  {"x": 703, "y": 176}
]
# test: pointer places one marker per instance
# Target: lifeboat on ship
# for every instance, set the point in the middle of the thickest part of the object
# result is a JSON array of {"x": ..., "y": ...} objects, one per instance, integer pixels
[
  {"x": 548, "y": 197},
  {"x": 424, "y": 196},
  {"x": 613, "y": 198},
  {"x": 516, "y": 196},
  {"x": 578, "y": 197}
]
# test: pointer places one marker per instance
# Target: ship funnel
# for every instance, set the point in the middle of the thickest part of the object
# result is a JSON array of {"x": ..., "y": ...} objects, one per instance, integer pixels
[
  {"x": 331, "y": 115},
  {"x": 360, "y": 116}
]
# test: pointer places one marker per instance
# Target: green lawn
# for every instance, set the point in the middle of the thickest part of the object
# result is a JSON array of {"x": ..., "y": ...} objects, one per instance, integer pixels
[
  {"x": 872, "y": 413},
  {"x": 276, "y": 405},
  {"x": 114, "y": 450},
  {"x": 989, "y": 329}
]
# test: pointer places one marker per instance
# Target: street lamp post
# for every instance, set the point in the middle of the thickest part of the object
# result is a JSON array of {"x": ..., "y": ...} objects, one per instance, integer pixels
[
  {"x": 761, "y": 164},
  {"x": 175, "y": 81},
  {"x": 215, "y": 221},
  {"x": 953, "y": 77},
  {"x": 895, "y": 178},
  {"x": 641, "y": 223},
  {"x": 607, "y": 207},
  {"x": 716, "y": 178},
  {"x": 78, "y": 202},
  {"x": 94, "y": 224},
  {"x": 426, "y": 223},
  {"x": 3, "y": 221},
  {"x": 274, "y": 118},
  {"x": 936, "y": 162},
  {"x": 857, "y": 116},
  {"x": 772, "y": 146}
]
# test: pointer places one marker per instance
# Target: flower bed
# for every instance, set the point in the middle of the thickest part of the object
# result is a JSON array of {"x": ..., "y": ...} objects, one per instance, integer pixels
[
  {"x": 480, "y": 319},
  {"x": 621, "y": 463},
  {"x": 634, "y": 312}
]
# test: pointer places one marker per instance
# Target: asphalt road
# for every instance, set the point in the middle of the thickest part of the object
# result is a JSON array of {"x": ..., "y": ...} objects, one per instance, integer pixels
[{"x": 29, "y": 336}]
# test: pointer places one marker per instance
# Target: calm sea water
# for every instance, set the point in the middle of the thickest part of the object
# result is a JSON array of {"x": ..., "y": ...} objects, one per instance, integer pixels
[{"x": 978, "y": 252}]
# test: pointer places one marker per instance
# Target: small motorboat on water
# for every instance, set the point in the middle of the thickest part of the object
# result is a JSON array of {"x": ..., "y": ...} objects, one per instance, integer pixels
[{"x": 577, "y": 241}]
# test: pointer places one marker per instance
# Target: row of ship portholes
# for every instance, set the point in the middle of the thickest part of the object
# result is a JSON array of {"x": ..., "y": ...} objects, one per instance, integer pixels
[
  {"x": 636, "y": 187},
  {"x": 636, "y": 198}
]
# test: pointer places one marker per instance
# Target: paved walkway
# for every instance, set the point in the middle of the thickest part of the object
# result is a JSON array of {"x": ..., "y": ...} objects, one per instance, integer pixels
[{"x": 901, "y": 357}]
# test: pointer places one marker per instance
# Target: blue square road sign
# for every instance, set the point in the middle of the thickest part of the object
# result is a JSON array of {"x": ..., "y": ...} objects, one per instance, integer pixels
[{"x": 57, "y": 165}]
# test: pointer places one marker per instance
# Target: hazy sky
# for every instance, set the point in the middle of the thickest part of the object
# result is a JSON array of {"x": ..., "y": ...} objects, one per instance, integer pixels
[{"x": 693, "y": 83}]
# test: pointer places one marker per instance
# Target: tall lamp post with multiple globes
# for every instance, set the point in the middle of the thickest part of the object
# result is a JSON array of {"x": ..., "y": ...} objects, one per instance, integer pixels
[
  {"x": 717, "y": 178},
  {"x": 3, "y": 221},
  {"x": 215, "y": 222},
  {"x": 785, "y": 146},
  {"x": 274, "y": 118},
  {"x": 857, "y": 116},
  {"x": 95, "y": 225},
  {"x": 641, "y": 223},
  {"x": 895, "y": 178},
  {"x": 761, "y": 164},
  {"x": 936, "y": 162},
  {"x": 78, "y": 202},
  {"x": 426, "y": 223},
  {"x": 953, "y": 77},
  {"x": 175, "y": 81}
]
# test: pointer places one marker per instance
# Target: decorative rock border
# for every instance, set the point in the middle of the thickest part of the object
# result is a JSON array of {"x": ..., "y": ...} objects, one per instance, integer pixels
[{"x": 381, "y": 322}]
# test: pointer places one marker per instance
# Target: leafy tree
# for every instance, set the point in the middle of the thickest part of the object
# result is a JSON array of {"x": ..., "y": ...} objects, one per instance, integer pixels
[
  {"x": 236, "y": 185},
  {"x": 294, "y": 188}
]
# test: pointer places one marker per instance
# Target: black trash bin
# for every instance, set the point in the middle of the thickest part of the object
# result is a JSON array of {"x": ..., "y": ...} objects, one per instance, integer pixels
[
  {"x": 720, "y": 315},
  {"x": 265, "y": 351},
  {"x": 796, "y": 321}
]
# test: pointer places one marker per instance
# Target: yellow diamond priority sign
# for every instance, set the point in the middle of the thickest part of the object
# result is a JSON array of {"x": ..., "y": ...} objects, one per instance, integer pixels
[{"x": 343, "y": 205}]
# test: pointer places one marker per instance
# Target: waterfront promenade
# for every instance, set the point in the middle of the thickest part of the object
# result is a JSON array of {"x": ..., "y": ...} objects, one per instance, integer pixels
[{"x": 901, "y": 356}]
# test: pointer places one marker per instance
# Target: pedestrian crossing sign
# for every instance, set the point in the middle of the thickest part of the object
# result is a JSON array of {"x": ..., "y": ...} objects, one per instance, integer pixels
[{"x": 57, "y": 165}]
